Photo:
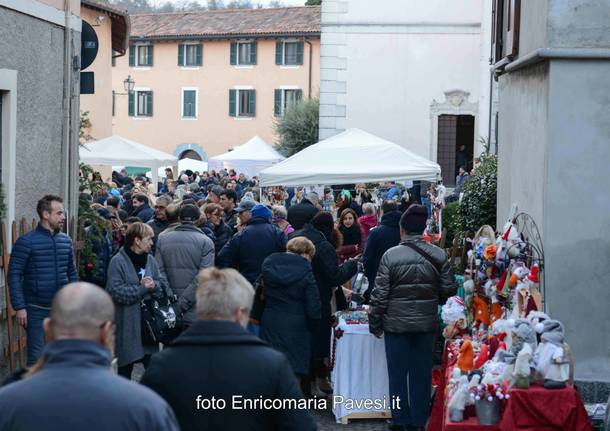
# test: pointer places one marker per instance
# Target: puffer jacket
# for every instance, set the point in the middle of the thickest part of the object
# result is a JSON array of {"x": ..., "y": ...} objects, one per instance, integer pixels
[
  {"x": 41, "y": 264},
  {"x": 181, "y": 254},
  {"x": 408, "y": 289}
]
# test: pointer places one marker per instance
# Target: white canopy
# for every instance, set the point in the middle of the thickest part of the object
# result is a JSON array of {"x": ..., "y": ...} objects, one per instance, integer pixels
[
  {"x": 249, "y": 158},
  {"x": 116, "y": 150},
  {"x": 353, "y": 156}
]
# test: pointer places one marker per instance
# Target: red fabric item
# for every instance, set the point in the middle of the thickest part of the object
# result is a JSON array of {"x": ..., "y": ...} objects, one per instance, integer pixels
[
  {"x": 540, "y": 409},
  {"x": 470, "y": 424}
]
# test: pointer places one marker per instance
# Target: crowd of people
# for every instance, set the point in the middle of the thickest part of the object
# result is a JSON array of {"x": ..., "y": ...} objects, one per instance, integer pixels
[{"x": 278, "y": 264}]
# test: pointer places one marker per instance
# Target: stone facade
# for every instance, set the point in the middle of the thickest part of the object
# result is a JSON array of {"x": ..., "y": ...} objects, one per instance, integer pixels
[{"x": 554, "y": 153}]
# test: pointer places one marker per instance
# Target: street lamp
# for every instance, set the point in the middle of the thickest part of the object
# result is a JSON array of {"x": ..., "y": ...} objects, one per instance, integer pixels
[{"x": 129, "y": 84}]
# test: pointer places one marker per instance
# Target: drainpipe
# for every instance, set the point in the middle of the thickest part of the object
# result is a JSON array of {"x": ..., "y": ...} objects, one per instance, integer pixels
[
  {"x": 66, "y": 104},
  {"x": 310, "y": 68}
]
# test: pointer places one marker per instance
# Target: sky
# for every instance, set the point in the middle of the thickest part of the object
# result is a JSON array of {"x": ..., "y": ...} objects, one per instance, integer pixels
[{"x": 264, "y": 2}]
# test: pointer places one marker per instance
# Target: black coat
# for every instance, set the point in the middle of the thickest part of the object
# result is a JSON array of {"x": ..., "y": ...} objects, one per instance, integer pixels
[
  {"x": 222, "y": 235},
  {"x": 247, "y": 250},
  {"x": 220, "y": 359},
  {"x": 291, "y": 307},
  {"x": 328, "y": 274},
  {"x": 302, "y": 213},
  {"x": 381, "y": 239}
]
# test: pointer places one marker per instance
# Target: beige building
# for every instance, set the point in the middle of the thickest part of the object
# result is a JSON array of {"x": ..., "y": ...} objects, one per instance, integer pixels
[
  {"x": 206, "y": 82},
  {"x": 111, "y": 26}
]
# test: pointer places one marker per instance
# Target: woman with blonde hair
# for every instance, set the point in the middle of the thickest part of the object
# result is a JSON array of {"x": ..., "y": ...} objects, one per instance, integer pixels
[
  {"x": 133, "y": 274},
  {"x": 288, "y": 304}
]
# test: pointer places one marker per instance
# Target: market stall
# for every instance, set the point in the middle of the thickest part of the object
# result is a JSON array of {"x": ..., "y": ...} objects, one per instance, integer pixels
[
  {"x": 249, "y": 158},
  {"x": 359, "y": 369},
  {"x": 506, "y": 364},
  {"x": 353, "y": 156},
  {"x": 116, "y": 150}
]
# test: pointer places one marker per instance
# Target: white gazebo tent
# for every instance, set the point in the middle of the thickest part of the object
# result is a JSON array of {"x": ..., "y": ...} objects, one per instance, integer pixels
[
  {"x": 249, "y": 158},
  {"x": 116, "y": 150},
  {"x": 353, "y": 156}
]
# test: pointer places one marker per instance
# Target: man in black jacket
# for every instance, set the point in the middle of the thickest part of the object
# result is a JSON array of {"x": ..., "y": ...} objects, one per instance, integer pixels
[
  {"x": 159, "y": 222},
  {"x": 302, "y": 213},
  {"x": 413, "y": 279},
  {"x": 142, "y": 209},
  {"x": 217, "y": 376},
  {"x": 380, "y": 240}
]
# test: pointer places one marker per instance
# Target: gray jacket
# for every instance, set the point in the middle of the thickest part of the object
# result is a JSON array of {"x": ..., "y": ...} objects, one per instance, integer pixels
[
  {"x": 408, "y": 289},
  {"x": 181, "y": 254},
  {"x": 127, "y": 291}
]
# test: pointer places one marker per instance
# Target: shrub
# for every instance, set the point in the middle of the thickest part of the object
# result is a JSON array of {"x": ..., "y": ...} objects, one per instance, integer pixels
[
  {"x": 478, "y": 206},
  {"x": 298, "y": 128}
]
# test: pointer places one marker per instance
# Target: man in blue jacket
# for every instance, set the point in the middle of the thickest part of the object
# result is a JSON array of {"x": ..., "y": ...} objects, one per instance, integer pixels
[
  {"x": 75, "y": 388},
  {"x": 42, "y": 262},
  {"x": 247, "y": 250}
]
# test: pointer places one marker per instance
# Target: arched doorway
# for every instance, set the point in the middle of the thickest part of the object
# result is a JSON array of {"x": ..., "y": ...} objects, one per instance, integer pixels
[{"x": 190, "y": 154}]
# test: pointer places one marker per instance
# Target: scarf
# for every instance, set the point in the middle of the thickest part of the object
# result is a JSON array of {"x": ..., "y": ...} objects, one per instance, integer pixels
[
  {"x": 351, "y": 235},
  {"x": 139, "y": 261}
]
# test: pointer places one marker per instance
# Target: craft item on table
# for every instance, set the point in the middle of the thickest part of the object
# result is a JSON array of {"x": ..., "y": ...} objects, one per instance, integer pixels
[
  {"x": 536, "y": 319},
  {"x": 511, "y": 243},
  {"x": 473, "y": 384},
  {"x": 552, "y": 362},
  {"x": 535, "y": 297},
  {"x": 523, "y": 333},
  {"x": 466, "y": 359},
  {"x": 481, "y": 310},
  {"x": 522, "y": 371},
  {"x": 453, "y": 315},
  {"x": 468, "y": 291},
  {"x": 482, "y": 357},
  {"x": 457, "y": 403},
  {"x": 501, "y": 286}
]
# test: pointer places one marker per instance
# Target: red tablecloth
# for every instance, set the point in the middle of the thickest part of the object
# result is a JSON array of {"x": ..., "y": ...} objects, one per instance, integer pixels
[
  {"x": 539, "y": 409},
  {"x": 533, "y": 409}
]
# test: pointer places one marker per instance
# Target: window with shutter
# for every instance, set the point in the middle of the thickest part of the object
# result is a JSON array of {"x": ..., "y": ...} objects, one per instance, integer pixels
[
  {"x": 233, "y": 53},
  {"x": 251, "y": 103},
  {"x": 199, "y": 58},
  {"x": 232, "y": 103},
  {"x": 279, "y": 52},
  {"x": 290, "y": 53},
  {"x": 143, "y": 56},
  {"x": 189, "y": 103},
  {"x": 149, "y": 51},
  {"x": 132, "y": 55},
  {"x": 149, "y": 103},
  {"x": 141, "y": 103},
  {"x": 277, "y": 105},
  {"x": 131, "y": 106},
  {"x": 253, "y": 53},
  {"x": 299, "y": 53},
  {"x": 512, "y": 28},
  {"x": 181, "y": 54}
]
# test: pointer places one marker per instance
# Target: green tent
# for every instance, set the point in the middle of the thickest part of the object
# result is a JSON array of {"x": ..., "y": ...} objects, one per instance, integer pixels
[{"x": 134, "y": 170}]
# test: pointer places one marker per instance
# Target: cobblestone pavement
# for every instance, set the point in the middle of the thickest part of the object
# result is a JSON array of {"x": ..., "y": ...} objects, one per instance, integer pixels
[{"x": 324, "y": 418}]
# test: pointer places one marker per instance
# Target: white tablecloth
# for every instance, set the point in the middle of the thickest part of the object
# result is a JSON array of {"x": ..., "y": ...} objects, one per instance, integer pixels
[{"x": 360, "y": 372}]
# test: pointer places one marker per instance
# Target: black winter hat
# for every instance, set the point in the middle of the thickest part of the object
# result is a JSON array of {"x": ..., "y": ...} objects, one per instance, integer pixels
[
  {"x": 414, "y": 219},
  {"x": 189, "y": 213}
]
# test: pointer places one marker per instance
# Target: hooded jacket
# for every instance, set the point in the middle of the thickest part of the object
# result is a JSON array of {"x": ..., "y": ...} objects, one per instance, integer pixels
[
  {"x": 302, "y": 213},
  {"x": 291, "y": 307},
  {"x": 367, "y": 222}
]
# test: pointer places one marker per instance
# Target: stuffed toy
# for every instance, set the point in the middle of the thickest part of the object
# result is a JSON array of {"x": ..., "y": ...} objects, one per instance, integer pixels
[
  {"x": 453, "y": 315},
  {"x": 552, "y": 362},
  {"x": 466, "y": 360},
  {"x": 481, "y": 310},
  {"x": 482, "y": 357},
  {"x": 457, "y": 404},
  {"x": 522, "y": 371}
]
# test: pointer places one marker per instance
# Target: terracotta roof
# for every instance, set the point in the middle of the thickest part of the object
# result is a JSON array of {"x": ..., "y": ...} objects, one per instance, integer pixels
[
  {"x": 120, "y": 23},
  {"x": 228, "y": 23}
]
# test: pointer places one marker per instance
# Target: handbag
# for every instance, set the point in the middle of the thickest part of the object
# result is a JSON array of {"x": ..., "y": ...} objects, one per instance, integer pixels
[
  {"x": 160, "y": 322},
  {"x": 258, "y": 305}
]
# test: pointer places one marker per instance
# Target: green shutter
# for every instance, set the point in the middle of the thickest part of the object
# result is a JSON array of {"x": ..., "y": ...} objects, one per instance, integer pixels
[
  {"x": 233, "y": 53},
  {"x": 251, "y": 103},
  {"x": 132, "y": 103},
  {"x": 199, "y": 55},
  {"x": 299, "y": 95},
  {"x": 190, "y": 99},
  {"x": 232, "y": 100},
  {"x": 277, "y": 106},
  {"x": 149, "y": 60},
  {"x": 181, "y": 54},
  {"x": 253, "y": 53},
  {"x": 300, "y": 53},
  {"x": 149, "y": 103},
  {"x": 132, "y": 55},
  {"x": 279, "y": 52}
]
